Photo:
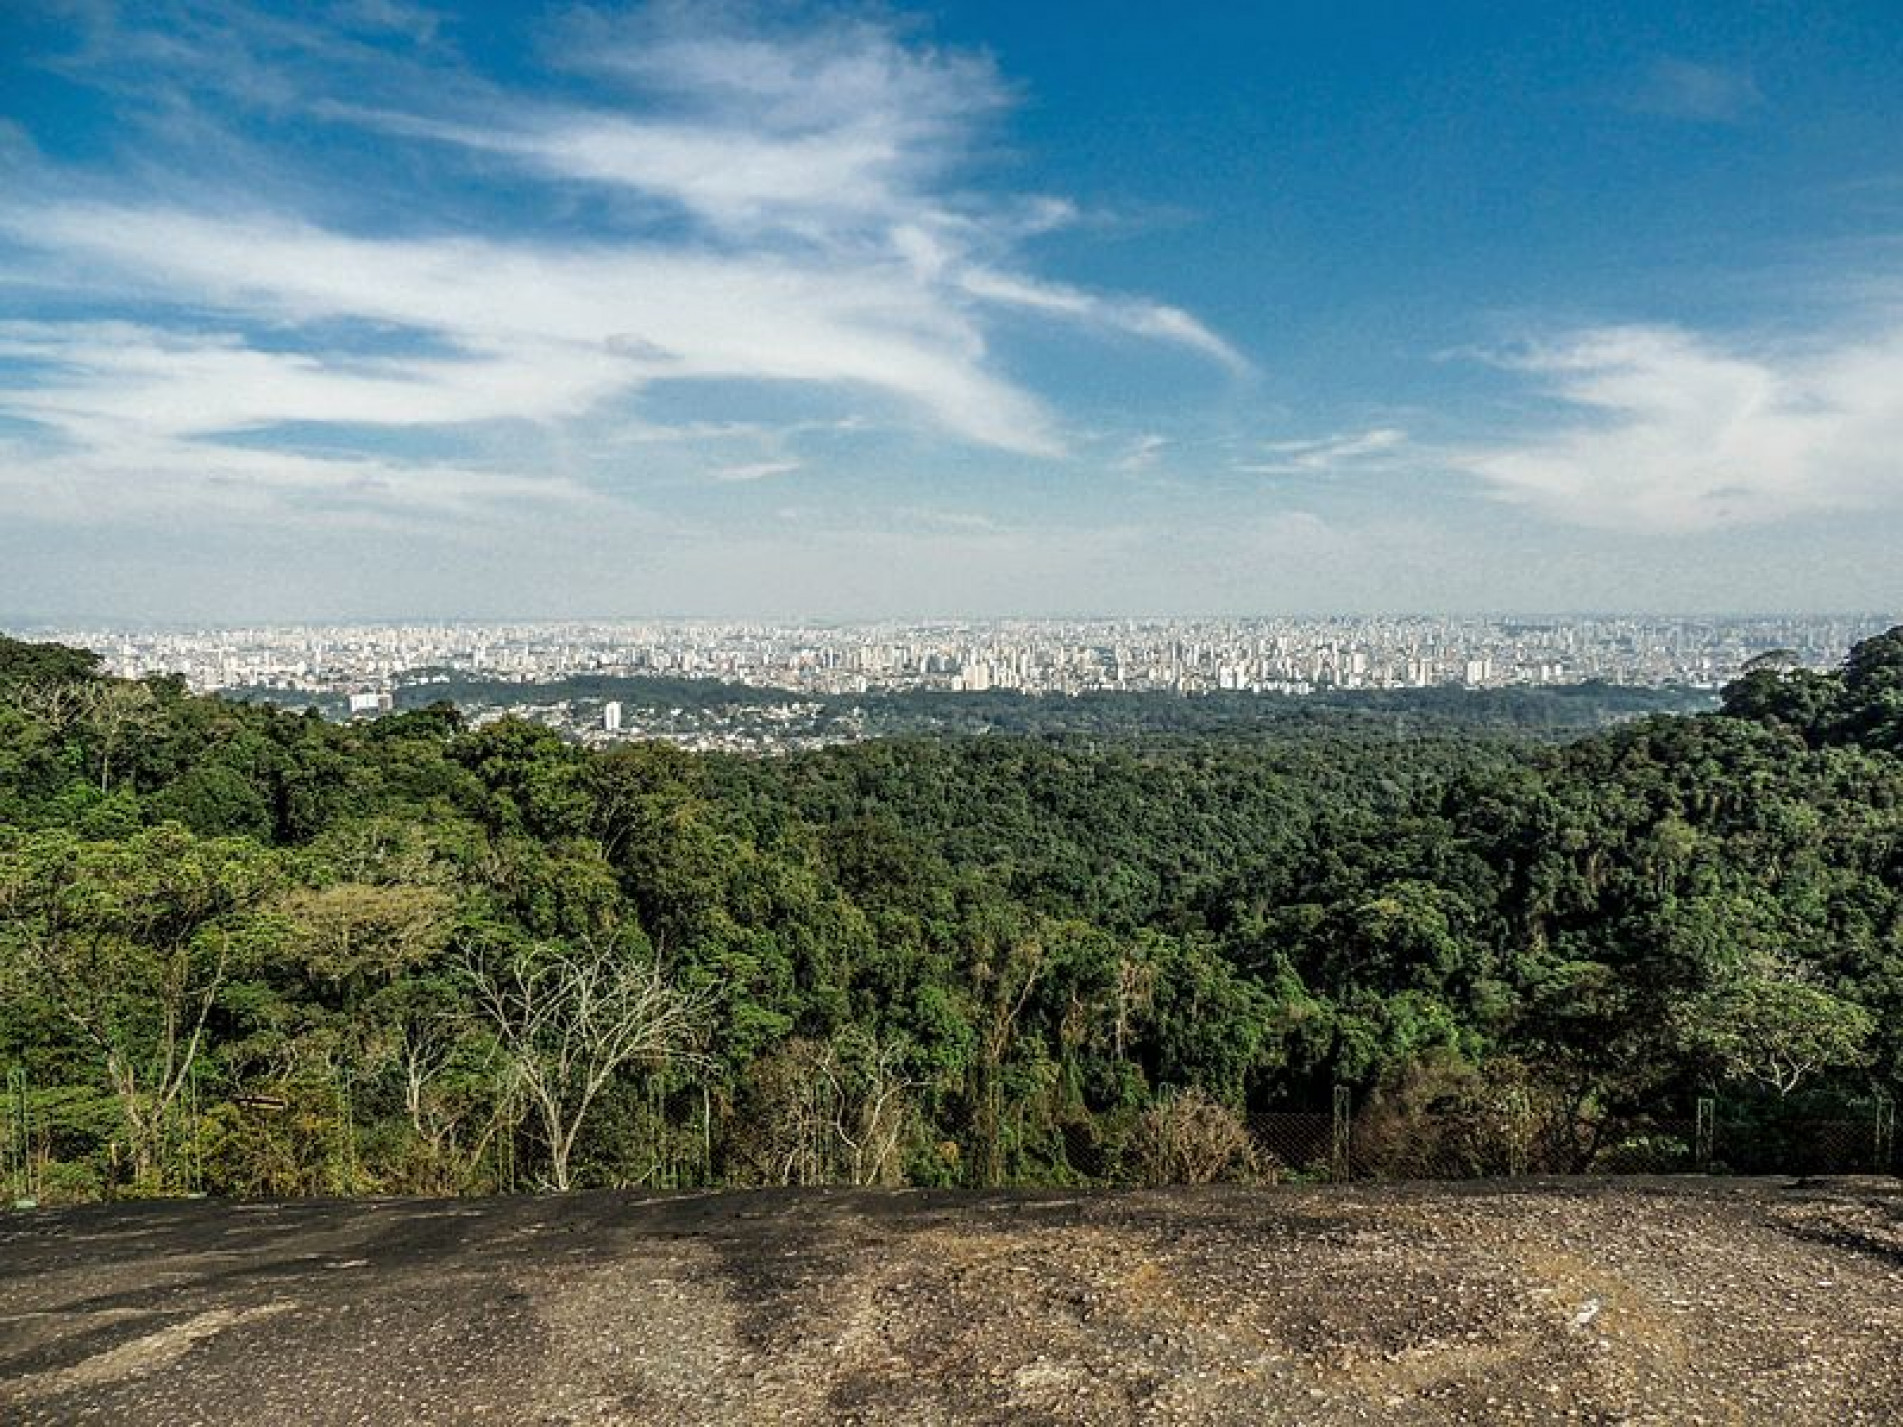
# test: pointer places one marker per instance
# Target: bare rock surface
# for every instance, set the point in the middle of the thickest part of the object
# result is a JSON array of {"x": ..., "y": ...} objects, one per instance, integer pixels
[{"x": 1602, "y": 1301}]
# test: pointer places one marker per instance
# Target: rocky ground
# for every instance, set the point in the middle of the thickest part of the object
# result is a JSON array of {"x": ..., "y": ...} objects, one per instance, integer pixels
[{"x": 1690, "y": 1301}]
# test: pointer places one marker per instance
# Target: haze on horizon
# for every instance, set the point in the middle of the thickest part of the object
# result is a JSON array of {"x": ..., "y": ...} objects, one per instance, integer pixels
[{"x": 375, "y": 310}]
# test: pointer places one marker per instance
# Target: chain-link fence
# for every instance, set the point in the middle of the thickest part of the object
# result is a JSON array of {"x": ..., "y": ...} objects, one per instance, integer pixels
[
  {"x": 17, "y": 1179},
  {"x": 1855, "y": 1140},
  {"x": 1374, "y": 1141},
  {"x": 1299, "y": 1146},
  {"x": 49, "y": 1135}
]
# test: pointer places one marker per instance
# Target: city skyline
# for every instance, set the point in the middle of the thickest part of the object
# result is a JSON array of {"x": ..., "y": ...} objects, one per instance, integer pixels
[
  {"x": 779, "y": 685},
  {"x": 1181, "y": 654},
  {"x": 382, "y": 311}
]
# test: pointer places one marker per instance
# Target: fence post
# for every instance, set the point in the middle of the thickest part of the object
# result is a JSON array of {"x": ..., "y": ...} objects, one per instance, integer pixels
[
  {"x": 1519, "y": 1132},
  {"x": 19, "y": 1145},
  {"x": 1707, "y": 1125},
  {"x": 505, "y": 1142},
  {"x": 1341, "y": 1142},
  {"x": 706, "y": 1137},
  {"x": 1885, "y": 1134},
  {"x": 193, "y": 1128},
  {"x": 347, "y": 1116}
]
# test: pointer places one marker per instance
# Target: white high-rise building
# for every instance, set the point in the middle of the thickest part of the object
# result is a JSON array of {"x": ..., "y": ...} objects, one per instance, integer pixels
[{"x": 611, "y": 717}]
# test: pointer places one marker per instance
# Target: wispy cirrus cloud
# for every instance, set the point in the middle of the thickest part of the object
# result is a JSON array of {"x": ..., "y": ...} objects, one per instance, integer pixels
[
  {"x": 747, "y": 122},
  {"x": 1141, "y": 453},
  {"x": 755, "y": 470},
  {"x": 696, "y": 196},
  {"x": 1377, "y": 448},
  {"x": 1702, "y": 93},
  {"x": 1659, "y": 429}
]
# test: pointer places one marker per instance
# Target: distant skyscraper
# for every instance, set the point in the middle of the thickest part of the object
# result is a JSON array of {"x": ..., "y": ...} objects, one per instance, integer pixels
[{"x": 611, "y": 717}]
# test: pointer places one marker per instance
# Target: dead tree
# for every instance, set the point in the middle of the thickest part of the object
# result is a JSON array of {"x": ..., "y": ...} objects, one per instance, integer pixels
[{"x": 570, "y": 1018}]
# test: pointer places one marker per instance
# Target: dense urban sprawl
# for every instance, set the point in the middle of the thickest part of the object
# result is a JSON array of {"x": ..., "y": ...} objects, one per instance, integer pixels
[
  {"x": 755, "y": 687},
  {"x": 1279, "y": 655}
]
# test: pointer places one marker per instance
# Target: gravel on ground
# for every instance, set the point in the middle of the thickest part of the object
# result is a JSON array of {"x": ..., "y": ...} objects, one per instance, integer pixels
[{"x": 1525, "y": 1301}]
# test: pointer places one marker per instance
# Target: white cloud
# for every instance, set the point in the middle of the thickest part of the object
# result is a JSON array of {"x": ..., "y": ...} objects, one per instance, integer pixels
[
  {"x": 1670, "y": 431},
  {"x": 1142, "y": 453},
  {"x": 789, "y": 213},
  {"x": 416, "y": 22},
  {"x": 1135, "y": 316},
  {"x": 194, "y": 384},
  {"x": 129, "y": 473},
  {"x": 1358, "y": 450},
  {"x": 571, "y": 323},
  {"x": 755, "y": 470},
  {"x": 837, "y": 127},
  {"x": 737, "y": 179}
]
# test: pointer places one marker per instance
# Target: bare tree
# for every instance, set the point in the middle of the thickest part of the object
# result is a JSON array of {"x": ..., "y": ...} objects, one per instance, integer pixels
[
  {"x": 874, "y": 1109},
  {"x": 451, "y": 1094},
  {"x": 569, "y": 1019},
  {"x": 57, "y": 703},
  {"x": 837, "y": 1110},
  {"x": 110, "y": 710},
  {"x": 1006, "y": 969},
  {"x": 114, "y": 712}
]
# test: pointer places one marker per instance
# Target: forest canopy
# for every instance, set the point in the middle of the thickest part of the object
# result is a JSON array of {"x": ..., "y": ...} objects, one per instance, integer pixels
[{"x": 251, "y": 951}]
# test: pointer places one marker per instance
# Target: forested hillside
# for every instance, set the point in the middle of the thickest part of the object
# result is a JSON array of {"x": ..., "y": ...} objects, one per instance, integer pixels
[
  {"x": 251, "y": 951},
  {"x": 1551, "y": 710}
]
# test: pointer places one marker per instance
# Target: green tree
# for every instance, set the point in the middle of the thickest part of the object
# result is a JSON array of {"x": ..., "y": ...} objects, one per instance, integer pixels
[
  {"x": 133, "y": 942},
  {"x": 1774, "y": 1025}
]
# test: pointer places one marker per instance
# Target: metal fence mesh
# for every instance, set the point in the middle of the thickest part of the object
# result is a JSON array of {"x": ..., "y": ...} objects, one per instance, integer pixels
[
  {"x": 1376, "y": 1142},
  {"x": 1296, "y": 1146}
]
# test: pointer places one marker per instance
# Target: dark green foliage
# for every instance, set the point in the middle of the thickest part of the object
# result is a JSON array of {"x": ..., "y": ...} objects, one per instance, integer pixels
[
  {"x": 948, "y": 960},
  {"x": 1540, "y": 712},
  {"x": 1860, "y": 704},
  {"x": 24, "y": 665}
]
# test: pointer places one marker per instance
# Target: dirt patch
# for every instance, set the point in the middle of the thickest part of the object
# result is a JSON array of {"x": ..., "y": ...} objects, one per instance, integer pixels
[
  {"x": 1604, "y": 1301},
  {"x": 158, "y": 1348}
]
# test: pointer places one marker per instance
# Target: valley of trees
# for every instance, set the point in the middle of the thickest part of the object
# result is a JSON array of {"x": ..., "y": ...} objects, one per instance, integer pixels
[
  {"x": 248, "y": 951},
  {"x": 1544, "y": 710}
]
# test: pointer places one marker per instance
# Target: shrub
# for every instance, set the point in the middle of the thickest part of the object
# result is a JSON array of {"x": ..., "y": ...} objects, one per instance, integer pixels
[{"x": 1192, "y": 1138}]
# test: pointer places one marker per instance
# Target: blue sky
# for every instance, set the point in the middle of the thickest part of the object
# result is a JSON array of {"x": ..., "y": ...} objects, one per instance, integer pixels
[{"x": 373, "y": 310}]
